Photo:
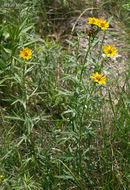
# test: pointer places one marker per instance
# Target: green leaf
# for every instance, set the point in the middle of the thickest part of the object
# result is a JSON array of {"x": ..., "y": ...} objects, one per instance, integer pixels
[
  {"x": 14, "y": 118},
  {"x": 64, "y": 177},
  {"x": 21, "y": 101}
]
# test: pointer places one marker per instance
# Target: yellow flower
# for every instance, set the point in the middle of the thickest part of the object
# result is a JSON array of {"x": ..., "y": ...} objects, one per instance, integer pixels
[
  {"x": 98, "y": 78},
  {"x": 103, "y": 24},
  {"x": 1, "y": 176},
  {"x": 110, "y": 50},
  {"x": 92, "y": 20},
  {"x": 26, "y": 53}
]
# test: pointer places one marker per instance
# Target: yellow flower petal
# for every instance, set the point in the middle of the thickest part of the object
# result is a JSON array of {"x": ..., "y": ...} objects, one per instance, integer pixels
[
  {"x": 103, "y": 24},
  {"x": 92, "y": 20},
  {"x": 110, "y": 50},
  {"x": 26, "y": 53},
  {"x": 98, "y": 78}
]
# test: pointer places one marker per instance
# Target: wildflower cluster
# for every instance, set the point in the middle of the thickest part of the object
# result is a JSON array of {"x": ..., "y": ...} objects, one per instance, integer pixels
[
  {"x": 108, "y": 49},
  {"x": 103, "y": 24}
]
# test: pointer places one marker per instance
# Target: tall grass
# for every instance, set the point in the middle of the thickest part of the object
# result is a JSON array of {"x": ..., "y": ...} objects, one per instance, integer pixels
[{"x": 59, "y": 129}]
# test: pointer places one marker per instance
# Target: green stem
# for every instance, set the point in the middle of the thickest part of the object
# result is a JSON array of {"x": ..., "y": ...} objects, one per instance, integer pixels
[
  {"x": 27, "y": 124},
  {"x": 80, "y": 152},
  {"x": 75, "y": 178},
  {"x": 23, "y": 83},
  {"x": 80, "y": 129}
]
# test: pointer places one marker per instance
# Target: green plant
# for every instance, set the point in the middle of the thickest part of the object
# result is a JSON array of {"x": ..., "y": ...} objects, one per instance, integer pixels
[{"x": 60, "y": 129}]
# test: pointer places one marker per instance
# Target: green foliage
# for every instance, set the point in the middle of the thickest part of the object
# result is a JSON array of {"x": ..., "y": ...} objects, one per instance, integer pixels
[
  {"x": 120, "y": 9},
  {"x": 59, "y": 129}
]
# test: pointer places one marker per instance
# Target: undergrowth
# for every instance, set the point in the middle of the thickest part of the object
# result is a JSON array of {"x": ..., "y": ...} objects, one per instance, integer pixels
[{"x": 64, "y": 112}]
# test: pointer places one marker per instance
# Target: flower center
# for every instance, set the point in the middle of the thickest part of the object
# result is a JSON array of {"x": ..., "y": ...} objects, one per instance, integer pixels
[
  {"x": 102, "y": 24},
  {"x": 98, "y": 78},
  {"x": 25, "y": 53},
  {"x": 110, "y": 51}
]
